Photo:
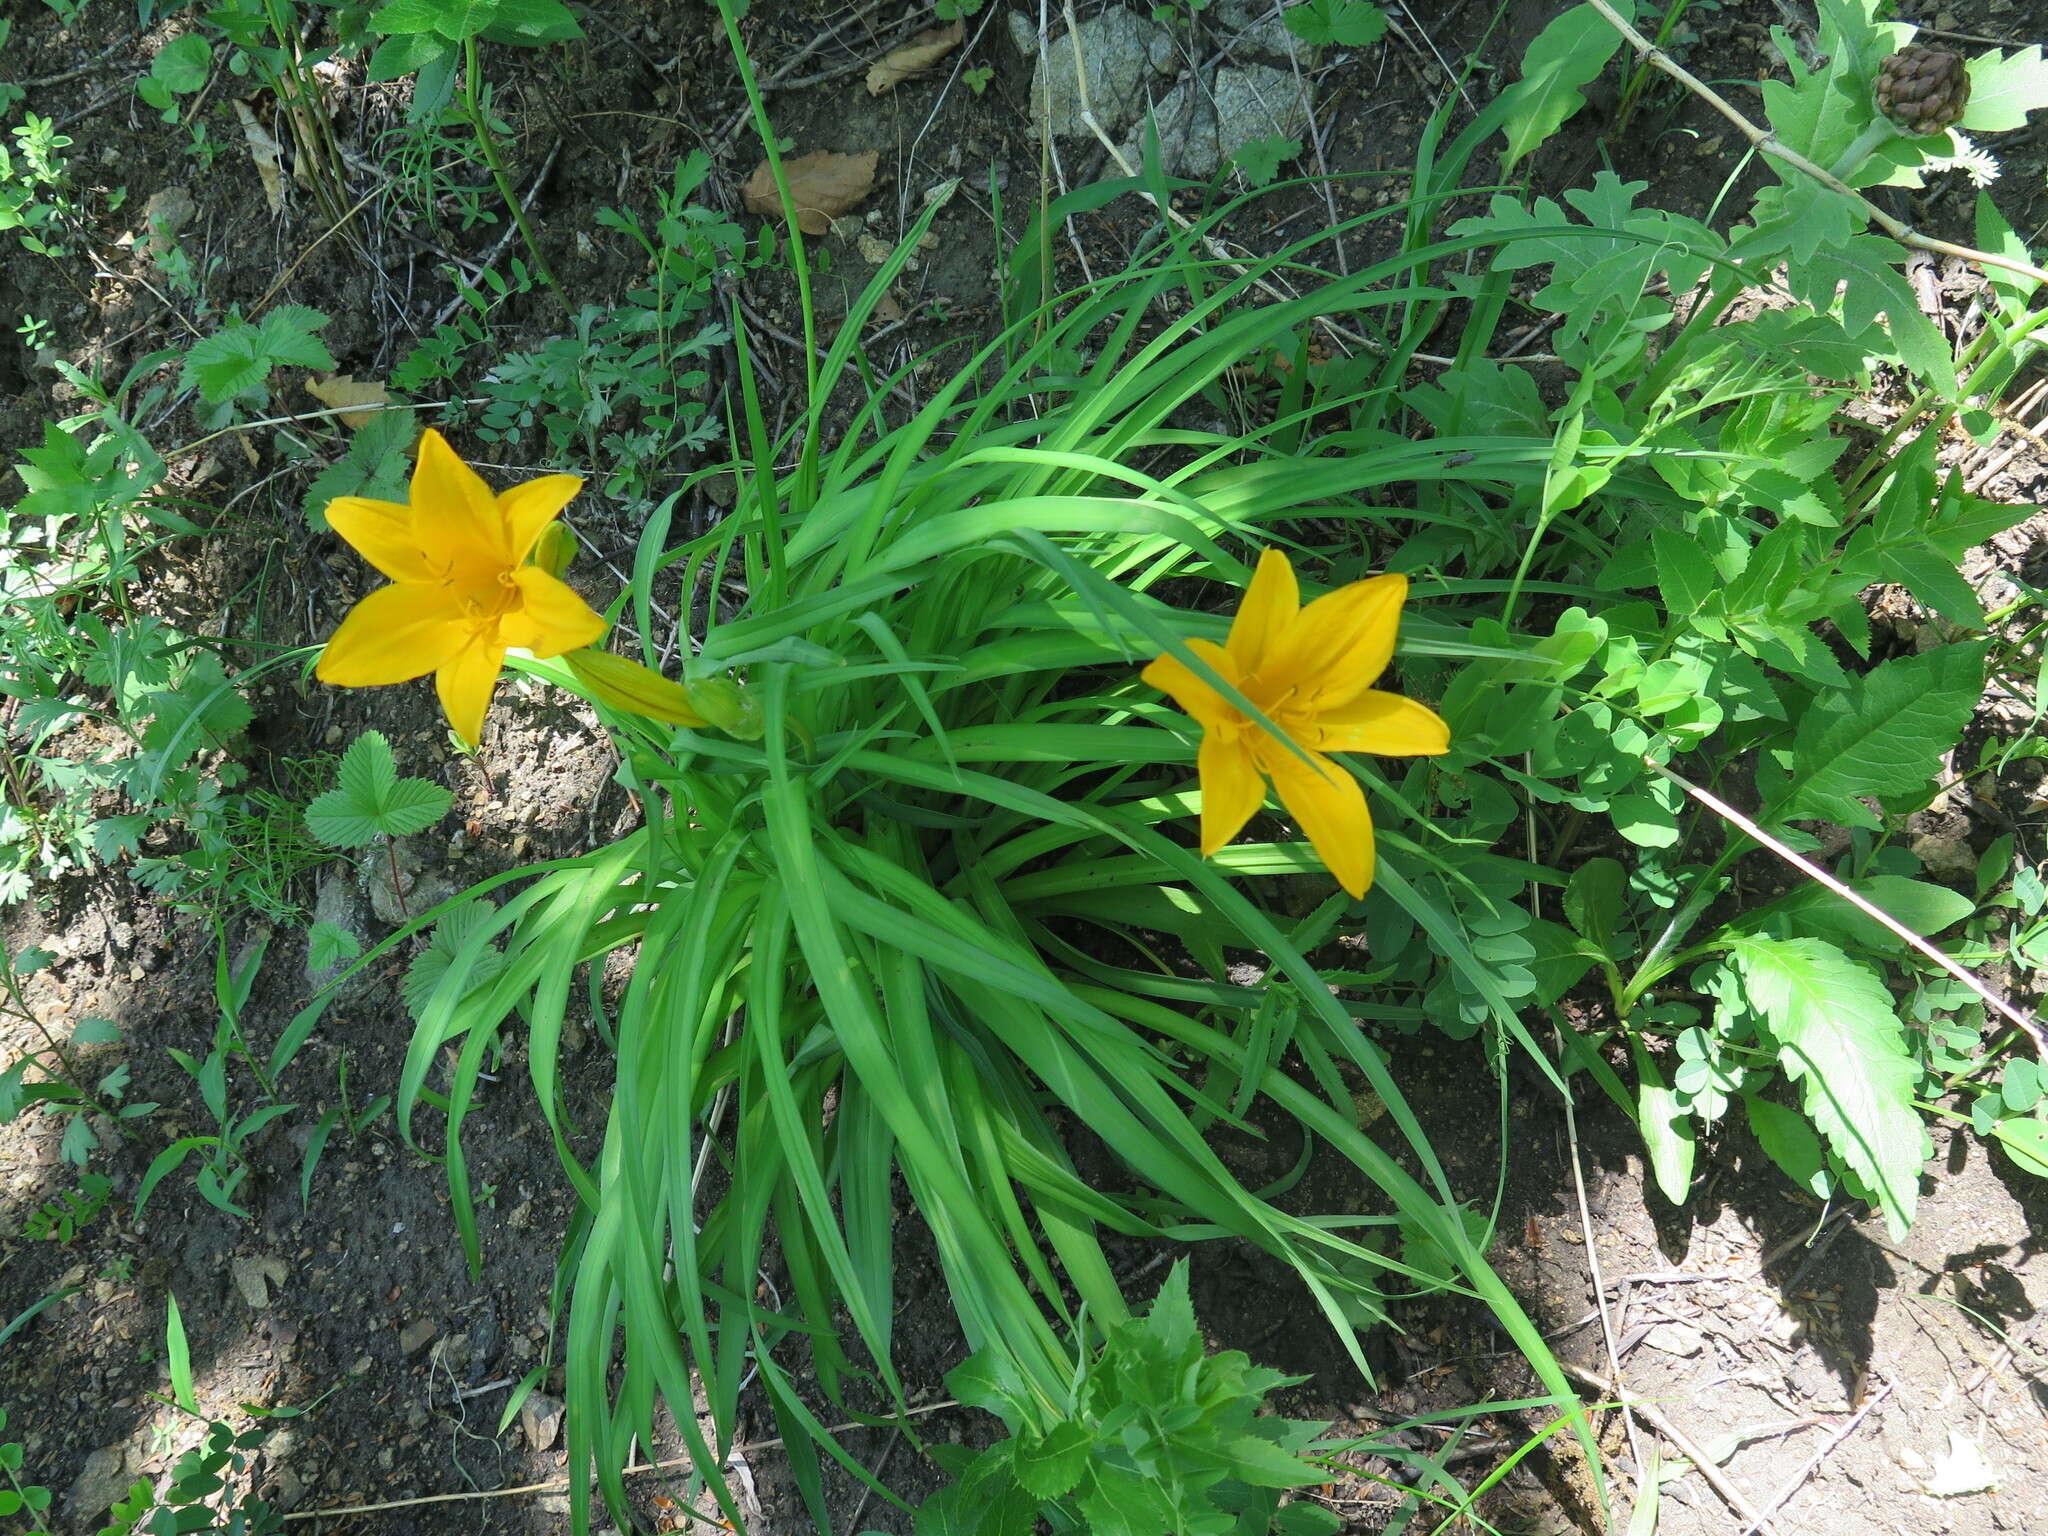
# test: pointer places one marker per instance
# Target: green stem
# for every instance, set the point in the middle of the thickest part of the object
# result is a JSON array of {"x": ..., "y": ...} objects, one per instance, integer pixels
[
  {"x": 1867, "y": 143},
  {"x": 480, "y": 124}
]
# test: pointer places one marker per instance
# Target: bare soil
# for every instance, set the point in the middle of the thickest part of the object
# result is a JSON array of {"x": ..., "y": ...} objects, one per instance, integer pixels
[{"x": 1823, "y": 1368}]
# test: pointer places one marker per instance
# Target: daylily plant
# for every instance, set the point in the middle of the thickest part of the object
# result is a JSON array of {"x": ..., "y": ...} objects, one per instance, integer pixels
[
  {"x": 1310, "y": 672},
  {"x": 462, "y": 589}
]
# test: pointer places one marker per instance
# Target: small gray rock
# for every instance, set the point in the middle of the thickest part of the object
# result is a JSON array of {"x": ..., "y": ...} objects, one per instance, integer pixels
[
  {"x": 1201, "y": 128},
  {"x": 1676, "y": 1339},
  {"x": 1261, "y": 27},
  {"x": 338, "y": 901},
  {"x": 103, "y": 1479},
  {"x": 540, "y": 1420},
  {"x": 414, "y": 1336},
  {"x": 1123, "y": 50},
  {"x": 422, "y": 887}
]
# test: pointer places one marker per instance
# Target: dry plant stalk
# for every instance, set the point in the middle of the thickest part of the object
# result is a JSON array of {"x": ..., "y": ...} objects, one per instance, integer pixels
[{"x": 1763, "y": 141}]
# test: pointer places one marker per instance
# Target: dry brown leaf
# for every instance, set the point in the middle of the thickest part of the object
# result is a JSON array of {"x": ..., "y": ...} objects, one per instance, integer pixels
[
  {"x": 264, "y": 151},
  {"x": 914, "y": 57},
  {"x": 824, "y": 184},
  {"x": 343, "y": 390}
]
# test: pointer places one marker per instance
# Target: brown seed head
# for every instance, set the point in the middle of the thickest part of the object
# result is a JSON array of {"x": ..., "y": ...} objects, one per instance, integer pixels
[{"x": 1921, "y": 89}]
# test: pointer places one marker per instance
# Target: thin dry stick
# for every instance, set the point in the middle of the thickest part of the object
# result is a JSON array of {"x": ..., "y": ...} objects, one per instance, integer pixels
[
  {"x": 2025, "y": 1021},
  {"x": 1628, "y": 1417},
  {"x": 561, "y": 1485},
  {"x": 1764, "y": 142},
  {"x": 1682, "y": 1443},
  {"x": 1798, "y": 1479}
]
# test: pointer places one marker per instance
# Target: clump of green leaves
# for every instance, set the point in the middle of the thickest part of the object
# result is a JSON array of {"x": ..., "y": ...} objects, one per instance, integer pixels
[
  {"x": 221, "y": 1155},
  {"x": 231, "y": 368},
  {"x": 1156, "y": 1435},
  {"x": 68, "y": 1213},
  {"x": 619, "y": 388},
  {"x": 53, "y": 1078},
  {"x": 33, "y": 185},
  {"x": 370, "y": 800},
  {"x": 200, "y": 1498}
]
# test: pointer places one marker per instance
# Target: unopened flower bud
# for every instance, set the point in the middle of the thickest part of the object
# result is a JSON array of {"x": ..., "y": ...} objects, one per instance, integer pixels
[
  {"x": 728, "y": 706},
  {"x": 554, "y": 549},
  {"x": 628, "y": 686}
]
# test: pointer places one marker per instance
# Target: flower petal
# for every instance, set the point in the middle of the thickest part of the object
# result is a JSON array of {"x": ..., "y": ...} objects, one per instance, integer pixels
[
  {"x": 1339, "y": 644},
  {"x": 1330, "y": 808},
  {"x": 1174, "y": 677},
  {"x": 1384, "y": 723},
  {"x": 528, "y": 508},
  {"x": 1231, "y": 790},
  {"x": 551, "y": 618},
  {"x": 1270, "y": 604},
  {"x": 464, "y": 683},
  {"x": 394, "y": 635},
  {"x": 381, "y": 532},
  {"x": 454, "y": 514}
]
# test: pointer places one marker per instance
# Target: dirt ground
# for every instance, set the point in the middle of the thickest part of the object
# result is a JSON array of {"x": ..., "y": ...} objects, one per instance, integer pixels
[{"x": 1825, "y": 1372}]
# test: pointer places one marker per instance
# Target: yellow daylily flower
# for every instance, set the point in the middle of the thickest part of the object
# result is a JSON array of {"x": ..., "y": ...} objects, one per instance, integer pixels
[
  {"x": 462, "y": 591},
  {"x": 1310, "y": 671}
]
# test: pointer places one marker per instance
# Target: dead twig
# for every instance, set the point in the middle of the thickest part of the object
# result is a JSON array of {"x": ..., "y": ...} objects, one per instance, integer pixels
[
  {"x": 561, "y": 1485},
  {"x": 1682, "y": 1443},
  {"x": 2025, "y": 1021},
  {"x": 1798, "y": 1479}
]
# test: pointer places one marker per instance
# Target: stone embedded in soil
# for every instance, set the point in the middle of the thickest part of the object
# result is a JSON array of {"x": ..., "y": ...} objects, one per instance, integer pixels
[
  {"x": 415, "y": 1335},
  {"x": 1676, "y": 1339},
  {"x": 1202, "y": 126},
  {"x": 103, "y": 1479},
  {"x": 420, "y": 886},
  {"x": 253, "y": 1278},
  {"x": 1260, "y": 27},
  {"x": 1123, "y": 51},
  {"x": 540, "y": 1420},
  {"x": 337, "y": 900}
]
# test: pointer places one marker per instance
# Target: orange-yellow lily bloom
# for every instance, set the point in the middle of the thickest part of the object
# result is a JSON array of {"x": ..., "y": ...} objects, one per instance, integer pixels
[
  {"x": 1310, "y": 671},
  {"x": 462, "y": 591}
]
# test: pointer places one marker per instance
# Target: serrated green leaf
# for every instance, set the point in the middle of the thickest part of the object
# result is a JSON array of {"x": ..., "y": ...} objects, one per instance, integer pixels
[
  {"x": 1814, "y": 911},
  {"x": 1048, "y": 1466},
  {"x": 372, "y": 800},
  {"x": 1343, "y": 23},
  {"x": 412, "y": 806},
  {"x": 225, "y": 364},
  {"x": 1565, "y": 57},
  {"x": 288, "y": 339},
  {"x": 333, "y": 820},
  {"x": 1263, "y": 1464},
  {"x": 1839, "y": 1040},
  {"x": 1882, "y": 735},
  {"x": 405, "y": 53},
  {"x": 328, "y": 945},
  {"x": 2004, "y": 88}
]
